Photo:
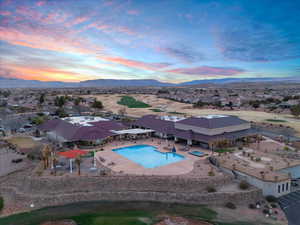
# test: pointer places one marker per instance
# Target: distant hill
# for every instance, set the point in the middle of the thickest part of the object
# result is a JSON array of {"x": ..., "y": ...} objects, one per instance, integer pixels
[
  {"x": 241, "y": 80},
  {"x": 118, "y": 83},
  {"x": 20, "y": 83}
]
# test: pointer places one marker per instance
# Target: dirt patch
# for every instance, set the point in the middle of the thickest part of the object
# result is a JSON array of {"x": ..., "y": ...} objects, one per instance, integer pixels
[
  {"x": 175, "y": 220},
  {"x": 23, "y": 142},
  {"x": 61, "y": 222}
]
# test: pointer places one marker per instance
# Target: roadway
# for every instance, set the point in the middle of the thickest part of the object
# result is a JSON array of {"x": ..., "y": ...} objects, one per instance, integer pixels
[{"x": 290, "y": 204}]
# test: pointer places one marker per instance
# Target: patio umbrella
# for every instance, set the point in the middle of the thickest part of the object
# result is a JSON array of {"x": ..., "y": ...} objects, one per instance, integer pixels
[{"x": 71, "y": 155}]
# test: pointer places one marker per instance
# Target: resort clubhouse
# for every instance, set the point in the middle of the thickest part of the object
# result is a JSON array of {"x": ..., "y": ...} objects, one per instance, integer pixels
[{"x": 197, "y": 160}]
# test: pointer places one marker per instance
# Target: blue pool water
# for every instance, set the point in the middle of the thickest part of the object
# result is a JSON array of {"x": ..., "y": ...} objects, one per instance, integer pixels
[{"x": 148, "y": 156}]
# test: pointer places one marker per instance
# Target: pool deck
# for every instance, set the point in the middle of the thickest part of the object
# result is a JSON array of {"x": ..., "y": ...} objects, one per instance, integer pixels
[{"x": 126, "y": 166}]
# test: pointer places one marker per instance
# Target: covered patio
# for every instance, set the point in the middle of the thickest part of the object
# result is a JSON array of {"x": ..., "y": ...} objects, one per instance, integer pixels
[{"x": 133, "y": 133}]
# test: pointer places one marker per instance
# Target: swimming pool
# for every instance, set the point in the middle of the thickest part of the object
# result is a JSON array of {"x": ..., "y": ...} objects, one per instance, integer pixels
[{"x": 148, "y": 156}]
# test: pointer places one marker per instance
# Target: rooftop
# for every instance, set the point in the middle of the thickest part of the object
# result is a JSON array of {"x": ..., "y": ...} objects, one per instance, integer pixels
[
  {"x": 84, "y": 120},
  {"x": 213, "y": 121}
]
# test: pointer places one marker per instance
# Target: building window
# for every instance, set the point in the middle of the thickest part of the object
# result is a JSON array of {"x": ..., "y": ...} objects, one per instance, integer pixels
[
  {"x": 287, "y": 187},
  {"x": 282, "y": 187},
  {"x": 278, "y": 188}
]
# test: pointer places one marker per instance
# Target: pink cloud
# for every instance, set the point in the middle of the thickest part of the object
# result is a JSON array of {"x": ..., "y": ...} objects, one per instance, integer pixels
[
  {"x": 41, "y": 3},
  {"x": 54, "y": 40},
  {"x": 54, "y": 18},
  {"x": 208, "y": 71},
  {"x": 77, "y": 20},
  {"x": 28, "y": 12},
  {"x": 133, "y": 12},
  {"x": 109, "y": 28},
  {"x": 5, "y": 13},
  {"x": 135, "y": 63}
]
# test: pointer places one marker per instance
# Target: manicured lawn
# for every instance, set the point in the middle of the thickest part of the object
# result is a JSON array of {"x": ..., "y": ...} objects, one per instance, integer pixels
[
  {"x": 131, "y": 102},
  {"x": 222, "y": 150},
  {"x": 276, "y": 120},
  {"x": 110, "y": 213},
  {"x": 116, "y": 213},
  {"x": 112, "y": 218}
]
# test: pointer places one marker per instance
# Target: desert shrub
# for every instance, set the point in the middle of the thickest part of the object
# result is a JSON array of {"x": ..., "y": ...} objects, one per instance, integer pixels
[
  {"x": 271, "y": 198},
  {"x": 244, "y": 185},
  {"x": 211, "y": 173},
  {"x": 273, "y": 205},
  {"x": 1, "y": 203},
  {"x": 211, "y": 189},
  {"x": 252, "y": 206},
  {"x": 265, "y": 211},
  {"x": 230, "y": 205}
]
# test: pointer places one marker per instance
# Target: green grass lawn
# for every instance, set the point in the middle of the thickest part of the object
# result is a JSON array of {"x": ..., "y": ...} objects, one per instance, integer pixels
[
  {"x": 115, "y": 213},
  {"x": 222, "y": 150},
  {"x": 131, "y": 102},
  {"x": 276, "y": 120}
]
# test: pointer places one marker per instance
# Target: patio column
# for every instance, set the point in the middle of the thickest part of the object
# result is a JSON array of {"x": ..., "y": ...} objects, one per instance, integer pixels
[
  {"x": 189, "y": 142},
  {"x": 71, "y": 168}
]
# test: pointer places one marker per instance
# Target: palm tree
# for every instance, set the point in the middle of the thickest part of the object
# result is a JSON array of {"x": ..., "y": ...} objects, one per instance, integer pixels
[
  {"x": 78, "y": 162},
  {"x": 45, "y": 156},
  {"x": 54, "y": 161}
]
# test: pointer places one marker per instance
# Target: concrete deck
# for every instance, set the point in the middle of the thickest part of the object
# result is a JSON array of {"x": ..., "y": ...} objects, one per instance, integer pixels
[{"x": 124, "y": 165}]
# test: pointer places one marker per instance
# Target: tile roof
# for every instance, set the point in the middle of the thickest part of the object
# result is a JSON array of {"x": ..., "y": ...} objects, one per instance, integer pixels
[
  {"x": 109, "y": 125},
  {"x": 168, "y": 127},
  {"x": 211, "y": 123},
  {"x": 73, "y": 132}
]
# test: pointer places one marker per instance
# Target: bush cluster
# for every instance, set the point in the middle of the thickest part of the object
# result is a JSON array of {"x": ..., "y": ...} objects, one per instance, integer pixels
[
  {"x": 244, "y": 185},
  {"x": 271, "y": 198},
  {"x": 211, "y": 189},
  {"x": 230, "y": 205},
  {"x": 1, "y": 203}
]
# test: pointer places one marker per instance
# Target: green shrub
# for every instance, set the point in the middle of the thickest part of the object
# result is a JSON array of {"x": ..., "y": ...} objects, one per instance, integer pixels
[
  {"x": 1, "y": 203},
  {"x": 211, "y": 173},
  {"x": 230, "y": 205},
  {"x": 266, "y": 211},
  {"x": 274, "y": 205},
  {"x": 271, "y": 198},
  {"x": 252, "y": 206},
  {"x": 211, "y": 189},
  {"x": 244, "y": 185}
]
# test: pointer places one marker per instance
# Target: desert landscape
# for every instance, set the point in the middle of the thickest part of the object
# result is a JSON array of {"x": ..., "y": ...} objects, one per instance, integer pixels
[{"x": 170, "y": 107}]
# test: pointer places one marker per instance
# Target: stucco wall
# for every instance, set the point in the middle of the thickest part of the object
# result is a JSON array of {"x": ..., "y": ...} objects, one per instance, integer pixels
[
  {"x": 117, "y": 183},
  {"x": 268, "y": 188},
  {"x": 24, "y": 200}
]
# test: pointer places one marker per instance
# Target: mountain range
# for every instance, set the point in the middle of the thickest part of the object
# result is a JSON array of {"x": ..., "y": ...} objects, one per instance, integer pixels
[{"x": 20, "y": 83}]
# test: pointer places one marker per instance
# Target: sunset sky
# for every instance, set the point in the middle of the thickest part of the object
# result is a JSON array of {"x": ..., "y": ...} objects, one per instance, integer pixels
[{"x": 168, "y": 40}]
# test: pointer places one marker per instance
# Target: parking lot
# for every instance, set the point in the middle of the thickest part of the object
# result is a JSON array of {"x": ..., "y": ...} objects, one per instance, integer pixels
[{"x": 290, "y": 204}]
